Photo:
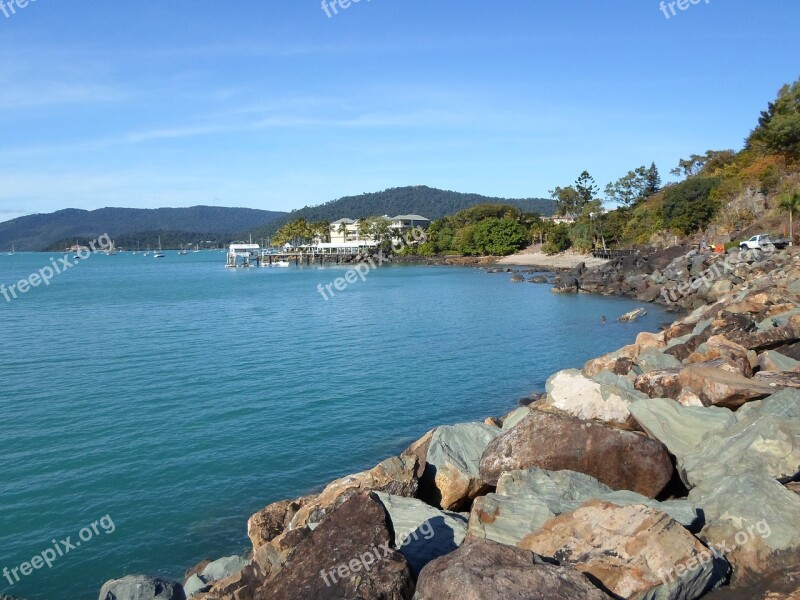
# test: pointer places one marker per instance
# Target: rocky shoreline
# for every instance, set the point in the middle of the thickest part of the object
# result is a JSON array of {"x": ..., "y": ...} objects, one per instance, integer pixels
[{"x": 663, "y": 470}]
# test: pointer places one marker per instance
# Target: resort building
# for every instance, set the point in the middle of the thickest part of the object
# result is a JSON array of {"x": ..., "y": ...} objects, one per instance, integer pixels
[{"x": 402, "y": 224}]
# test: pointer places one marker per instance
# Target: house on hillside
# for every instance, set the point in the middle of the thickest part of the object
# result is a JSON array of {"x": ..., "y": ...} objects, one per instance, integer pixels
[{"x": 402, "y": 224}]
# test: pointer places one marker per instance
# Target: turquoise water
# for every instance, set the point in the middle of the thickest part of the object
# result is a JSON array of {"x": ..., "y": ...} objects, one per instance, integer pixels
[{"x": 178, "y": 398}]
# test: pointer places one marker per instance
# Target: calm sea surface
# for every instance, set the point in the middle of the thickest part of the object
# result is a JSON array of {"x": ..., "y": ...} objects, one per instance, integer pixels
[{"x": 178, "y": 398}]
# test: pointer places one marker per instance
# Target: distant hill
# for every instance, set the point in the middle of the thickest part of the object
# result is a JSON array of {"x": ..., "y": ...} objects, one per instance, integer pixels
[
  {"x": 44, "y": 231},
  {"x": 429, "y": 202}
]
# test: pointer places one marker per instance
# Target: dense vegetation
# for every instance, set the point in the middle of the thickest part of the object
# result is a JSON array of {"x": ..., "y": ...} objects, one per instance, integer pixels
[
  {"x": 44, "y": 231},
  {"x": 486, "y": 229},
  {"x": 711, "y": 186},
  {"x": 428, "y": 202}
]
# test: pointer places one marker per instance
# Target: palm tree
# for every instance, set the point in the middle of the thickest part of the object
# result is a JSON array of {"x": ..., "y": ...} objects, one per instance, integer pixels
[
  {"x": 343, "y": 230},
  {"x": 791, "y": 203}
]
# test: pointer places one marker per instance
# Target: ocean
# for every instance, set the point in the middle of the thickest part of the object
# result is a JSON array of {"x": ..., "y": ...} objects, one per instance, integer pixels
[{"x": 149, "y": 407}]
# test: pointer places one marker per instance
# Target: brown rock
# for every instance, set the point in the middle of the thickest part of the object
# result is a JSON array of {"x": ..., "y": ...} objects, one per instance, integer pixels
[
  {"x": 661, "y": 383},
  {"x": 649, "y": 341},
  {"x": 778, "y": 381},
  {"x": 397, "y": 476},
  {"x": 419, "y": 450},
  {"x": 720, "y": 387},
  {"x": 618, "y": 362},
  {"x": 350, "y": 555},
  {"x": 718, "y": 347},
  {"x": 485, "y": 570},
  {"x": 195, "y": 570},
  {"x": 766, "y": 340},
  {"x": 635, "y": 551},
  {"x": 270, "y": 522},
  {"x": 623, "y": 460}
]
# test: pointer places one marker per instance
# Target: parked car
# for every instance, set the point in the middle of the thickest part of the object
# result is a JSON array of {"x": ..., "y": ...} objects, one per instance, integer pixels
[{"x": 763, "y": 241}]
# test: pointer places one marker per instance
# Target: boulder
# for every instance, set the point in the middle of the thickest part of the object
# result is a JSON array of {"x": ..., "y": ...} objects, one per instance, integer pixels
[
  {"x": 655, "y": 360},
  {"x": 680, "y": 428},
  {"x": 484, "y": 570},
  {"x": 419, "y": 450},
  {"x": 716, "y": 386},
  {"x": 750, "y": 518},
  {"x": 575, "y": 394},
  {"x": 270, "y": 522},
  {"x": 515, "y": 417},
  {"x": 619, "y": 459},
  {"x": 778, "y": 379},
  {"x": 763, "y": 444},
  {"x": 784, "y": 404},
  {"x": 634, "y": 551},
  {"x": 650, "y": 341},
  {"x": 718, "y": 346},
  {"x": 775, "y": 361},
  {"x": 526, "y": 500},
  {"x": 224, "y": 567},
  {"x": 617, "y": 362},
  {"x": 421, "y": 532},
  {"x": 452, "y": 475},
  {"x": 766, "y": 340},
  {"x": 349, "y": 555},
  {"x": 397, "y": 475},
  {"x": 663, "y": 383},
  {"x": 141, "y": 587}
]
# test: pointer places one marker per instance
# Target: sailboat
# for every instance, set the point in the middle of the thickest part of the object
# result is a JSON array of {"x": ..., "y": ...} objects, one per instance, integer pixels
[
  {"x": 183, "y": 251},
  {"x": 159, "y": 254},
  {"x": 13, "y": 252}
]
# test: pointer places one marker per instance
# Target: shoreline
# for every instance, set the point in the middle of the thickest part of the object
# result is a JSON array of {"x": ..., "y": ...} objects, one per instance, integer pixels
[{"x": 286, "y": 547}]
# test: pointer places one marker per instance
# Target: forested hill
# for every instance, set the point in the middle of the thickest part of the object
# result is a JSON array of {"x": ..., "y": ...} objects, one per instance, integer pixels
[
  {"x": 41, "y": 231},
  {"x": 429, "y": 202}
]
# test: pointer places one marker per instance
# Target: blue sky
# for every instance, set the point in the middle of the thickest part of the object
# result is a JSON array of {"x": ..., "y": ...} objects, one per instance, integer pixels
[{"x": 274, "y": 105}]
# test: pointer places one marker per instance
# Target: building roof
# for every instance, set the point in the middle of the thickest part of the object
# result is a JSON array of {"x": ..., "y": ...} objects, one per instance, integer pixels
[
  {"x": 409, "y": 218},
  {"x": 345, "y": 221}
]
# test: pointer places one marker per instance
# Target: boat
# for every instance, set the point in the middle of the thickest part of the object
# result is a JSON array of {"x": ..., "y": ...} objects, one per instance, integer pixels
[
  {"x": 13, "y": 251},
  {"x": 159, "y": 254},
  {"x": 281, "y": 263}
]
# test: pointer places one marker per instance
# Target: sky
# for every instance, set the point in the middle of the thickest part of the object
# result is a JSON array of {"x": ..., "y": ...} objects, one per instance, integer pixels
[{"x": 276, "y": 105}]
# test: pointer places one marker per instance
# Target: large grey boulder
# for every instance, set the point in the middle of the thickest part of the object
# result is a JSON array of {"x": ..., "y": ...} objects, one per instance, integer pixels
[
  {"x": 680, "y": 428},
  {"x": 141, "y": 587},
  {"x": 749, "y": 518},
  {"x": 484, "y": 570},
  {"x": 526, "y": 500},
  {"x": 784, "y": 404},
  {"x": 655, "y": 360},
  {"x": 761, "y": 444},
  {"x": 452, "y": 474},
  {"x": 582, "y": 397},
  {"x": 224, "y": 567},
  {"x": 421, "y": 532}
]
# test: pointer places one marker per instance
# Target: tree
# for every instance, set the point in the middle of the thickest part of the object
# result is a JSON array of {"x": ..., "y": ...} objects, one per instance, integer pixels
[
  {"x": 689, "y": 206},
  {"x": 558, "y": 240},
  {"x": 632, "y": 188},
  {"x": 343, "y": 230},
  {"x": 711, "y": 161},
  {"x": 587, "y": 188},
  {"x": 567, "y": 200},
  {"x": 364, "y": 228},
  {"x": 790, "y": 202},
  {"x": 779, "y": 126},
  {"x": 652, "y": 180}
]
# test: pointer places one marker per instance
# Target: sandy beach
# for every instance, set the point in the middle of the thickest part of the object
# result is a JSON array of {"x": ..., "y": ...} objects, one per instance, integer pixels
[{"x": 534, "y": 258}]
